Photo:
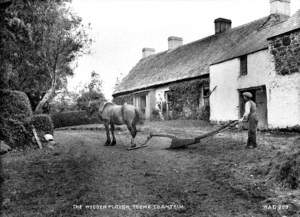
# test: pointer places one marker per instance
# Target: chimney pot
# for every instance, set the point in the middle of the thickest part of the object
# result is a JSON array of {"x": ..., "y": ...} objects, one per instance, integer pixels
[
  {"x": 148, "y": 51},
  {"x": 174, "y": 42},
  {"x": 282, "y": 7},
  {"x": 222, "y": 25}
]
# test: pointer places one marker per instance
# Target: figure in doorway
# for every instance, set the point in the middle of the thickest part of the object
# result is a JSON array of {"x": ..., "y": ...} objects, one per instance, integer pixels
[{"x": 159, "y": 108}]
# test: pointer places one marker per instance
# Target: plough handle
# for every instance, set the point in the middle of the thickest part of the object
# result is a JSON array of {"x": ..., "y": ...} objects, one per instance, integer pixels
[{"x": 197, "y": 139}]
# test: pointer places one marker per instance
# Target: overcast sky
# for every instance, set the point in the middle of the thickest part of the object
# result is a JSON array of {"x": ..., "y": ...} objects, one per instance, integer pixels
[{"x": 121, "y": 28}]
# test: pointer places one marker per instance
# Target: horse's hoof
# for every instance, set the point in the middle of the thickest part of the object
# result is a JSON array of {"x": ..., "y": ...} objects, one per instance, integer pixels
[
  {"x": 113, "y": 143},
  {"x": 107, "y": 144},
  {"x": 133, "y": 146}
]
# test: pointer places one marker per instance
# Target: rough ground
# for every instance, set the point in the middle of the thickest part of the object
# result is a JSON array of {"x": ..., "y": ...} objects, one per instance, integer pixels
[{"x": 216, "y": 178}]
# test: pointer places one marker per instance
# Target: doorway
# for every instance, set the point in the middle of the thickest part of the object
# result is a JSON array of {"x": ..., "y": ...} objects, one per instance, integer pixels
[
  {"x": 140, "y": 101},
  {"x": 260, "y": 98},
  {"x": 143, "y": 104}
]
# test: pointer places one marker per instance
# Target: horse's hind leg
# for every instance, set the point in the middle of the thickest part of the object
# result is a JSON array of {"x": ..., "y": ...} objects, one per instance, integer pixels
[
  {"x": 112, "y": 129},
  {"x": 108, "y": 141},
  {"x": 132, "y": 129}
]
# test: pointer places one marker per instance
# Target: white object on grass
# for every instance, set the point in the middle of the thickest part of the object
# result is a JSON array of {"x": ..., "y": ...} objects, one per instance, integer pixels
[{"x": 48, "y": 137}]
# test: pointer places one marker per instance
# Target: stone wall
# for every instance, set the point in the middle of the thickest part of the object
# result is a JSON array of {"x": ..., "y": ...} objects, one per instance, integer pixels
[
  {"x": 120, "y": 100},
  {"x": 284, "y": 88},
  {"x": 286, "y": 51},
  {"x": 184, "y": 99}
]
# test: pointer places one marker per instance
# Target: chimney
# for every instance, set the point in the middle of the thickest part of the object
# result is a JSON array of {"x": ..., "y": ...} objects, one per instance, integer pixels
[
  {"x": 174, "y": 42},
  {"x": 148, "y": 51},
  {"x": 222, "y": 25},
  {"x": 282, "y": 7}
]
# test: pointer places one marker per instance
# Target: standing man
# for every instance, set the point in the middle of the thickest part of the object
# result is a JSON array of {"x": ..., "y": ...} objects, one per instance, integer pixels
[
  {"x": 158, "y": 109},
  {"x": 250, "y": 116}
]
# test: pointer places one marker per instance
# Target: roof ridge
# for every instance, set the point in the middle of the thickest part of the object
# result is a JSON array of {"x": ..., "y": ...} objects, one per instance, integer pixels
[
  {"x": 233, "y": 29},
  {"x": 227, "y": 32},
  {"x": 211, "y": 36}
]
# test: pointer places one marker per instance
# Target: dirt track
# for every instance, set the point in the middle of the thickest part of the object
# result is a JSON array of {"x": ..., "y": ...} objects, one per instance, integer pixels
[{"x": 214, "y": 178}]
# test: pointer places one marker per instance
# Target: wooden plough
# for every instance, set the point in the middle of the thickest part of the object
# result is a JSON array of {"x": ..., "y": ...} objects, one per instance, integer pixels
[{"x": 177, "y": 143}]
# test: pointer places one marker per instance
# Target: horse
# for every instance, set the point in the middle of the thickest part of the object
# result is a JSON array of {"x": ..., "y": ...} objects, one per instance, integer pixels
[{"x": 112, "y": 114}]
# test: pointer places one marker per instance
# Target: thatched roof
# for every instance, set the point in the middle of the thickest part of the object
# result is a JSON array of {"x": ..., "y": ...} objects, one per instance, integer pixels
[
  {"x": 193, "y": 60},
  {"x": 258, "y": 40}
]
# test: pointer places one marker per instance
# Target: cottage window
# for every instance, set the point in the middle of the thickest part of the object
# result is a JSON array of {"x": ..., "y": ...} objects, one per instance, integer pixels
[
  {"x": 206, "y": 92},
  {"x": 243, "y": 65}
]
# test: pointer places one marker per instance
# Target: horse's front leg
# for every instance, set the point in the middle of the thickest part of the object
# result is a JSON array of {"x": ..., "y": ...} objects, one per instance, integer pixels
[
  {"x": 108, "y": 141},
  {"x": 112, "y": 129}
]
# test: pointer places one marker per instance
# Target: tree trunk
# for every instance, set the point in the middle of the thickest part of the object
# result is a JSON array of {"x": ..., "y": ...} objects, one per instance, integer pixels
[
  {"x": 47, "y": 97},
  {"x": 51, "y": 92}
]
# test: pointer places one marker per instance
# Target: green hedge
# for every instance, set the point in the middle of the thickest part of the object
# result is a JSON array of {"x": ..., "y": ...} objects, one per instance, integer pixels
[
  {"x": 73, "y": 118},
  {"x": 14, "y": 105},
  {"x": 15, "y": 133},
  {"x": 15, "y": 113},
  {"x": 42, "y": 123}
]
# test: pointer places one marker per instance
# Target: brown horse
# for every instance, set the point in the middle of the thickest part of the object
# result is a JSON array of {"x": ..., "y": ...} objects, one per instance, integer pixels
[{"x": 112, "y": 114}]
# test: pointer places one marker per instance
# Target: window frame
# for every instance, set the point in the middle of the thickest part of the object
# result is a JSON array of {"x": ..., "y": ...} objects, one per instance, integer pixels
[{"x": 244, "y": 65}]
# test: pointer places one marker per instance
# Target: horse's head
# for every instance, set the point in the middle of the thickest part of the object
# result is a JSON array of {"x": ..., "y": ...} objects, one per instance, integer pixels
[
  {"x": 101, "y": 106},
  {"x": 95, "y": 107}
]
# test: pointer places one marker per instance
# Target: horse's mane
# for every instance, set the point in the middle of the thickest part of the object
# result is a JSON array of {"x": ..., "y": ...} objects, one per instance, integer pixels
[{"x": 106, "y": 104}]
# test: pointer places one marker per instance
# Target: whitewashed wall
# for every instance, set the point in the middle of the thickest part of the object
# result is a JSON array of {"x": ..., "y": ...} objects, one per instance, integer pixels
[
  {"x": 283, "y": 92},
  {"x": 224, "y": 100},
  {"x": 284, "y": 101},
  {"x": 160, "y": 93},
  {"x": 150, "y": 103},
  {"x": 152, "y": 97}
]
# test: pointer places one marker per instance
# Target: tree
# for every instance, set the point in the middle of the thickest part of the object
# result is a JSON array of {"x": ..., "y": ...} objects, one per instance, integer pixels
[
  {"x": 92, "y": 92},
  {"x": 40, "y": 51},
  {"x": 64, "y": 100},
  {"x": 118, "y": 81},
  {"x": 95, "y": 82}
]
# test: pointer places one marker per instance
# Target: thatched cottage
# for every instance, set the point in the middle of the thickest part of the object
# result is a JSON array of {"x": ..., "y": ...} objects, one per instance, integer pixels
[{"x": 262, "y": 56}]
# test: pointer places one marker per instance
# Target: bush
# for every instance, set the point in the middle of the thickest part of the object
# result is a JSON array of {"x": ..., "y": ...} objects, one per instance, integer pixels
[
  {"x": 42, "y": 123},
  {"x": 64, "y": 119},
  {"x": 15, "y": 111},
  {"x": 15, "y": 105},
  {"x": 285, "y": 169},
  {"x": 15, "y": 133},
  {"x": 86, "y": 97}
]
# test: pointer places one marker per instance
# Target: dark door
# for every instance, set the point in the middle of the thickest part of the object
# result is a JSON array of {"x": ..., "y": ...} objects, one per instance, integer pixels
[
  {"x": 260, "y": 98},
  {"x": 262, "y": 111}
]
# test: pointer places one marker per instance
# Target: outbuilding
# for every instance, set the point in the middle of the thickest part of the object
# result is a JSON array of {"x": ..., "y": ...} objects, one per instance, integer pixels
[{"x": 262, "y": 57}]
